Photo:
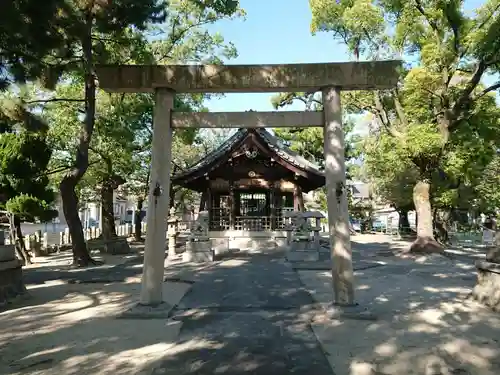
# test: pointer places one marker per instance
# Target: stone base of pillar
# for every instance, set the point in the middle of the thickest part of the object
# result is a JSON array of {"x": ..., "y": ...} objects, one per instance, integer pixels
[
  {"x": 198, "y": 252},
  {"x": 349, "y": 312},
  {"x": 302, "y": 256},
  {"x": 11, "y": 276},
  {"x": 172, "y": 242},
  {"x": 159, "y": 311},
  {"x": 220, "y": 246},
  {"x": 487, "y": 289},
  {"x": 114, "y": 246},
  {"x": 302, "y": 245},
  {"x": 302, "y": 251}
]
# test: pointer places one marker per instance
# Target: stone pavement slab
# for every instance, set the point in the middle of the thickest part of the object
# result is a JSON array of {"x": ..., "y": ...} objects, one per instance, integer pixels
[{"x": 246, "y": 316}]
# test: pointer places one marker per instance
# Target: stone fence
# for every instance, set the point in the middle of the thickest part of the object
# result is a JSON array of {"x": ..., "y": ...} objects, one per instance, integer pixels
[{"x": 48, "y": 242}]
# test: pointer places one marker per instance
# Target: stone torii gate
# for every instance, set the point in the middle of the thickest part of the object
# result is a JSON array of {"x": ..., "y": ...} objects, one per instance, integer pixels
[{"x": 167, "y": 80}]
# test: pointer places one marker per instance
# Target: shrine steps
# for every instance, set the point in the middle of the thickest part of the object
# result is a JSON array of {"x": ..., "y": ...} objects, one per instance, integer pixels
[{"x": 224, "y": 241}]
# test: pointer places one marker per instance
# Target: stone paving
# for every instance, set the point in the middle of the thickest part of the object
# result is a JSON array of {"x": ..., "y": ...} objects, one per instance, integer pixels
[
  {"x": 251, "y": 316},
  {"x": 245, "y": 315}
]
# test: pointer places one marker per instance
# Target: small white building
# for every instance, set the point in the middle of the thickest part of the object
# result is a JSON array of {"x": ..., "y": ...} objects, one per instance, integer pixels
[
  {"x": 90, "y": 213},
  {"x": 389, "y": 217}
]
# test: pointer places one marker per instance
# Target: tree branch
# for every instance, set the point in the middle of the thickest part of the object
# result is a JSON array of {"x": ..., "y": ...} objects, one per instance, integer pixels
[
  {"x": 399, "y": 109},
  {"x": 384, "y": 118},
  {"x": 494, "y": 87},
  {"x": 54, "y": 100},
  {"x": 486, "y": 20},
  {"x": 103, "y": 156},
  {"x": 62, "y": 169},
  {"x": 176, "y": 39},
  {"x": 432, "y": 23},
  {"x": 453, "y": 114},
  {"x": 111, "y": 40},
  {"x": 177, "y": 166}
]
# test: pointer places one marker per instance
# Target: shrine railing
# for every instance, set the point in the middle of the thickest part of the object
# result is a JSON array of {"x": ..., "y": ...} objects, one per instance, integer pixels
[
  {"x": 258, "y": 223},
  {"x": 222, "y": 222},
  {"x": 248, "y": 223}
]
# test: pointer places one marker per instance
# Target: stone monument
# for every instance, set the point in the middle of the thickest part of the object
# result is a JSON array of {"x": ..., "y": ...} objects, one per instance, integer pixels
[
  {"x": 172, "y": 233},
  {"x": 198, "y": 245},
  {"x": 303, "y": 246},
  {"x": 487, "y": 289},
  {"x": 11, "y": 275}
]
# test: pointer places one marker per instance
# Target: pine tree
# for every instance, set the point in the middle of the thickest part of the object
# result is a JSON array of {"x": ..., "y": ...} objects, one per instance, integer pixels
[{"x": 24, "y": 156}]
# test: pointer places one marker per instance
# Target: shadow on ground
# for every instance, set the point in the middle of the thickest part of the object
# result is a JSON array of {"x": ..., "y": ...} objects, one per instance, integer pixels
[
  {"x": 247, "y": 315},
  {"x": 254, "y": 314},
  {"x": 426, "y": 322}
]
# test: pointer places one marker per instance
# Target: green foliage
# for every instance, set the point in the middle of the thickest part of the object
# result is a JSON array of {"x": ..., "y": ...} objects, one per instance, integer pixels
[
  {"x": 422, "y": 141},
  {"x": 24, "y": 185},
  {"x": 29, "y": 208},
  {"x": 440, "y": 124},
  {"x": 86, "y": 124},
  {"x": 488, "y": 193},
  {"x": 183, "y": 37},
  {"x": 357, "y": 23},
  {"x": 389, "y": 171},
  {"x": 29, "y": 31},
  {"x": 308, "y": 142},
  {"x": 121, "y": 141},
  {"x": 223, "y": 7}
]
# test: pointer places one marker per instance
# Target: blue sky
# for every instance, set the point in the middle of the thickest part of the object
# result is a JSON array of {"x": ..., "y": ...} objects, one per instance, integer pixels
[
  {"x": 274, "y": 32},
  {"x": 277, "y": 31}
]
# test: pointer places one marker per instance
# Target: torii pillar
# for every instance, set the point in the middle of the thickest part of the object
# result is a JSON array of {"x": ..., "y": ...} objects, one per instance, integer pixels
[
  {"x": 158, "y": 199},
  {"x": 338, "y": 213}
]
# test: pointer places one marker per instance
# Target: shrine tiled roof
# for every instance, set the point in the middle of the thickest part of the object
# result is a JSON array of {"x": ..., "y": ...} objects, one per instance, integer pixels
[
  {"x": 277, "y": 145},
  {"x": 274, "y": 143}
]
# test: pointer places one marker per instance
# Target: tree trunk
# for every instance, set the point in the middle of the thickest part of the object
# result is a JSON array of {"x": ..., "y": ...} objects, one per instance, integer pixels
[
  {"x": 442, "y": 225},
  {"x": 20, "y": 246},
  {"x": 425, "y": 242},
  {"x": 108, "y": 213},
  {"x": 298, "y": 199},
  {"x": 81, "y": 256},
  {"x": 138, "y": 220},
  {"x": 403, "y": 222}
]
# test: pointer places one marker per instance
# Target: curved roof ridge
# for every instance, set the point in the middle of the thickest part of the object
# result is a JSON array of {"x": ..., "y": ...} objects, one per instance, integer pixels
[
  {"x": 288, "y": 154},
  {"x": 215, "y": 153},
  {"x": 274, "y": 143}
]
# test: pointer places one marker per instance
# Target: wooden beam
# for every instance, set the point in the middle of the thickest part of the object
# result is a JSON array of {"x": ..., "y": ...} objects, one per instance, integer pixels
[
  {"x": 247, "y": 119},
  {"x": 366, "y": 75}
]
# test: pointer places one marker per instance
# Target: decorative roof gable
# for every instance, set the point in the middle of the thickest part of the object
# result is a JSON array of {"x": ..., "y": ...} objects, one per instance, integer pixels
[{"x": 273, "y": 143}]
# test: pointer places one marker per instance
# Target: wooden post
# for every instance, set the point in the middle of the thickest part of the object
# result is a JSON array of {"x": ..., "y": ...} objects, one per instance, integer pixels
[
  {"x": 158, "y": 199},
  {"x": 298, "y": 198},
  {"x": 203, "y": 201},
  {"x": 338, "y": 215},
  {"x": 232, "y": 207},
  {"x": 272, "y": 209},
  {"x": 209, "y": 205},
  {"x": 295, "y": 197}
]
